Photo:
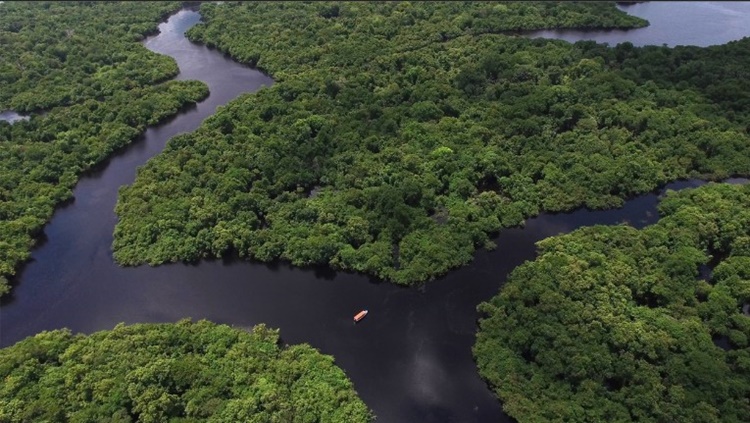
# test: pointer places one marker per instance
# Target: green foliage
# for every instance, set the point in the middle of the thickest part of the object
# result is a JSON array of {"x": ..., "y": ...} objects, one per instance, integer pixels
[
  {"x": 184, "y": 372},
  {"x": 82, "y": 62},
  {"x": 720, "y": 74},
  {"x": 422, "y": 130},
  {"x": 615, "y": 324}
]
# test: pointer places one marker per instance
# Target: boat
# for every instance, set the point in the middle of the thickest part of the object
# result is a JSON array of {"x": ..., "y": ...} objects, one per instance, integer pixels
[{"x": 359, "y": 316}]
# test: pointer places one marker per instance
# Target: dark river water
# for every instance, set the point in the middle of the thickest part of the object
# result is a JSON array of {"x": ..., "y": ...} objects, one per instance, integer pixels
[{"x": 410, "y": 359}]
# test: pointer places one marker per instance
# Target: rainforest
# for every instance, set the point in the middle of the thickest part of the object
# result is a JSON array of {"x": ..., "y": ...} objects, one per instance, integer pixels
[
  {"x": 98, "y": 89},
  {"x": 352, "y": 156},
  {"x": 611, "y": 323},
  {"x": 400, "y": 137},
  {"x": 181, "y": 372}
]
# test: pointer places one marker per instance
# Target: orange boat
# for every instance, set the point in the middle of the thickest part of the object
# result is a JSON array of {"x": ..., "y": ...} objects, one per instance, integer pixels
[{"x": 359, "y": 316}]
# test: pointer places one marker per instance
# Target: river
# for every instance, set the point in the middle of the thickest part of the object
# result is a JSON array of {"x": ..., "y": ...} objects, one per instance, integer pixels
[
  {"x": 10, "y": 116},
  {"x": 671, "y": 23},
  {"x": 410, "y": 359}
]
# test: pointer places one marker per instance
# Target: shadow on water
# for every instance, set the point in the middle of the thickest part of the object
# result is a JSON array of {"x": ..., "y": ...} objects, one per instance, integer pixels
[{"x": 410, "y": 359}]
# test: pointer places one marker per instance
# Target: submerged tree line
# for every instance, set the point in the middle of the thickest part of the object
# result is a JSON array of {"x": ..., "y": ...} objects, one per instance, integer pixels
[
  {"x": 400, "y": 137},
  {"x": 91, "y": 87}
]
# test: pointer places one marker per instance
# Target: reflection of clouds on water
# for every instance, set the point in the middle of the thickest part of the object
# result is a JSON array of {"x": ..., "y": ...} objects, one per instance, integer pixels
[
  {"x": 552, "y": 227},
  {"x": 410, "y": 359},
  {"x": 547, "y": 225},
  {"x": 428, "y": 378},
  {"x": 671, "y": 23},
  {"x": 11, "y": 116},
  {"x": 440, "y": 387},
  {"x": 723, "y": 8}
]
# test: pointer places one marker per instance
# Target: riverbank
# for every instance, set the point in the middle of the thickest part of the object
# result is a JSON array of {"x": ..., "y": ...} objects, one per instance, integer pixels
[{"x": 410, "y": 360}]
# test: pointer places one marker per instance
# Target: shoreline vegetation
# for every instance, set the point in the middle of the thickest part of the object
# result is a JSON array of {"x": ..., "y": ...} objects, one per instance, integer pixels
[
  {"x": 613, "y": 323},
  {"x": 84, "y": 66},
  {"x": 114, "y": 87},
  {"x": 397, "y": 139},
  {"x": 182, "y": 372},
  {"x": 422, "y": 132}
]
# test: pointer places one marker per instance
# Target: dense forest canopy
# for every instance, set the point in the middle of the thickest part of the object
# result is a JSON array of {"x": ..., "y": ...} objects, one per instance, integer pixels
[
  {"x": 183, "y": 372},
  {"x": 83, "y": 64},
  {"x": 400, "y": 136},
  {"x": 611, "y": 323}
]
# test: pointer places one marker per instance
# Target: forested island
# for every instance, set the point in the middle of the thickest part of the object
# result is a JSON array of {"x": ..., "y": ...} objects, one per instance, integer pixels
[
  {"x": 397, "y": 140},
  {"x": 91, "y": 87},
  {"x": 611, "y": 323},
  {"x": 183, "y": 372},
  {"x": 400, "y": 137}
]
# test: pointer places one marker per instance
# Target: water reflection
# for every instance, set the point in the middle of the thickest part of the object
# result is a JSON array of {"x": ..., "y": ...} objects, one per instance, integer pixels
[
  {"x": 410, "y": 360},
  {"x": 11, "y": 116},
  {"x": 672, "y": 24}
]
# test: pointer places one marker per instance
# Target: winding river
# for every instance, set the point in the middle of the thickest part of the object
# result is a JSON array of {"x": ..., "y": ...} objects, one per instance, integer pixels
[{"x": 410, "y": 360}]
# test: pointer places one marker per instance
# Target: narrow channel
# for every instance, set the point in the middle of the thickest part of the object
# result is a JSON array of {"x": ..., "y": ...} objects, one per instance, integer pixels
[{"x": 410, "y": 359}]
